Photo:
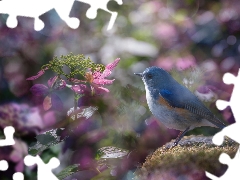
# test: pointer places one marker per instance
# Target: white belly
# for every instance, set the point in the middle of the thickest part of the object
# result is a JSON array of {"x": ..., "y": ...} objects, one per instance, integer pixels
[{"x": 164, "y": 114}]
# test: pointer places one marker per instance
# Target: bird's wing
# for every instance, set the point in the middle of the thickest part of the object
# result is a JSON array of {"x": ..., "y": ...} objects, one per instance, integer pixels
[{"x": 188, "y": 101}]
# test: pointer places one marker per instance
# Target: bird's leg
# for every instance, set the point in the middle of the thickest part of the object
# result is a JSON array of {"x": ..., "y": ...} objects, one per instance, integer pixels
[{"x": 181, "y": 134}]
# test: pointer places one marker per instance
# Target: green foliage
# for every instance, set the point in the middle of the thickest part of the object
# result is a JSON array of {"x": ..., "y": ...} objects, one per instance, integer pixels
[
  {"x": 45, "y": 138},
  {"x": 105, "y": 175},
  {"x": 104, "y": 156},
  {"x": 111, "y": 152},
  {"x": 45, "y": 141},
  {"x": 77, "y": 64},
  {"x": 110, "y": 156},
  {"x": 53, "y": 137},
  {"x": 68, "y": 171}
]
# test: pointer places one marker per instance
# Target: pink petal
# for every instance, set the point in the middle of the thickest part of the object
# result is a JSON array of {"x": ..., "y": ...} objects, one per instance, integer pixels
[
  {"x": 49, "y": 119},
  {"x": 81, "y": 88},
  {"x": 101, "y": 90},
  {"x": 97, "y": 74},
  {"x": 102, "y": 81},
  {"x": 51, "y": 81},
  {"x": 112, "y": 65},
  {"x": 76, "y": 80},
  {"x": 20, "y": 166},
  {"x": 40, "y": 73},
  {"x": 56, "y": 102},
  {"x": 98, "y": 89},
  {"x": 39, "y": 89},
  {"x": 16, "y": 156},
  {"x": 206, "y": 89},
  {"x": 105, "y": 73},
  {"x": 47, "y": 104}
]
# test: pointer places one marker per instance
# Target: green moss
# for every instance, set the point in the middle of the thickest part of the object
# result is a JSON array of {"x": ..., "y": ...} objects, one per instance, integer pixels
[{"x": 189, "y": 155}]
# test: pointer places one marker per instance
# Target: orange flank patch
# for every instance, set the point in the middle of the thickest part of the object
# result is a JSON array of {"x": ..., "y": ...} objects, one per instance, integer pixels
[
  {"x": 163, "y": 102},
  {"x": 180, "y": 111}
]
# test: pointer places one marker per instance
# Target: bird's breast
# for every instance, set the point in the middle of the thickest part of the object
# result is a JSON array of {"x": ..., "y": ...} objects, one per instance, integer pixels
[{"x": 171, "y": 117}]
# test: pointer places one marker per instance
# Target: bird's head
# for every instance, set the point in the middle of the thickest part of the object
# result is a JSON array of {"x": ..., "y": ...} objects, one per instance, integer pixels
[{"x": 155, "y": 77}]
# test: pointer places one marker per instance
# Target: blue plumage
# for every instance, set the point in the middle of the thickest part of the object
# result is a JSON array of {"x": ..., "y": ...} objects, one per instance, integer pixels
[{"x": 186, "y": 112}]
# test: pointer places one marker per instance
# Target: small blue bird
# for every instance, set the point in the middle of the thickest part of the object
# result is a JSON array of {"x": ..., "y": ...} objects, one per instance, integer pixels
[{"x": 175, "y": 105}]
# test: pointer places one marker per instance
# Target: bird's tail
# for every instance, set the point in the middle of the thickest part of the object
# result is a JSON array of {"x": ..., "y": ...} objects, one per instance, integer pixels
[{"x": 217, "y": 122}]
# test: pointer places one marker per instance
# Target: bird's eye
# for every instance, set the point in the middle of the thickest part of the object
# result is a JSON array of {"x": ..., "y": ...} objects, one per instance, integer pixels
[{"x": 149, "y": 76}]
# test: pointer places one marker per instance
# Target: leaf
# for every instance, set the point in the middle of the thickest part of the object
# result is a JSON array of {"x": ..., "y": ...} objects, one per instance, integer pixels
[
  {"x": 110, "y": 156},
  {"x": 56, "y": 102},
  {"x": 39, "y": 89},
  {"x": 111, "y": 152},
  {"x": 85, "y": 112},
  {"x": 33, "y": 151},
  {"x": 104, "y": 175},
  {"x": 46, "y": 140},
  {"x": 68, "y": 171}
]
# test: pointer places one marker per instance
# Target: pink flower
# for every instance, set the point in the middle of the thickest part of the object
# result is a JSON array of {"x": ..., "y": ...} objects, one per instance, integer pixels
[
  {"x": 40, "y": 73},
  {"x": 206, "y": 93},
  {"x": 185, "y": 62},
  {"x": 96, "y": 79},
  {"x": 181, "y": 63},
  {"x": 25, "y": 119}
]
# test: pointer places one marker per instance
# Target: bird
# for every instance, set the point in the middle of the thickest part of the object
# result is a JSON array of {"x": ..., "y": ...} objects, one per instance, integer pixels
[{"x": 175, "y": 105}]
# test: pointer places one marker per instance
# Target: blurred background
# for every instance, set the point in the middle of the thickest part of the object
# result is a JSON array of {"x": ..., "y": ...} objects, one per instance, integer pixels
[{"x": 197, "y": 41}]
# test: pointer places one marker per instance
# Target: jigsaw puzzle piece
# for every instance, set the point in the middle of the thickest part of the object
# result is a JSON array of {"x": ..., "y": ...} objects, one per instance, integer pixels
[
  {"x": 101, "y": 4},
  {"x": 8, "y": 132},
  {"x": 233, "y": 167},
  {"x": 229, "y": 78},
  {"x": 25, "y": 8},
  {"x": 18, "y": 176},
  {"x": 64, "y": 13},
  {"x": 36, "y": 8},
  {"x": 230, "y": 130},
  {"x": 44, "y": 170},
  {"x": 3, "y": 165}
]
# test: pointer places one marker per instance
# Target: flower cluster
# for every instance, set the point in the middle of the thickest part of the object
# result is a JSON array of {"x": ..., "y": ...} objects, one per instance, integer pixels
[{"x": 85, "y": 76}]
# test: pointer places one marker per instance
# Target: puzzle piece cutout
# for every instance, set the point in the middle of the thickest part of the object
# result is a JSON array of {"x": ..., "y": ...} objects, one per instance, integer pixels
[
  {"x": 233, "y": 170},
  {"x": 3, "y": 165},
  {"x": 36, "y": 8},
  {"x": 101, "y": 4},
  {"x": 18, "y": 176},
  {"x": 8, "y": 141},
  {"x": 44, "y": 170},
  {"x": 8, "y": 132},
  {"x": 231, "y": 131}
]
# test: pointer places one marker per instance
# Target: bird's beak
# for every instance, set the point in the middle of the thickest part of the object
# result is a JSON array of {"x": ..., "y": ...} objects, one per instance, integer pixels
[{"x": 139, "y": 74}]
